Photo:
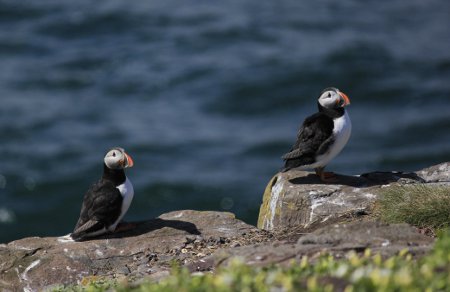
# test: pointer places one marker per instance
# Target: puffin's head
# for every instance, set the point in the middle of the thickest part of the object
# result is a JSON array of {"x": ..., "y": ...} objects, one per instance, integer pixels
[
  {"x": 116, "y": 158},
  {"x": 332, "y": 98}
]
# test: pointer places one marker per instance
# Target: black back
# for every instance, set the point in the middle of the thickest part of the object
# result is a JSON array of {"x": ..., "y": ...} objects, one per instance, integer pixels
[
  {"x": 102, "y": 203},
  {"x": 314, "y": 136}
]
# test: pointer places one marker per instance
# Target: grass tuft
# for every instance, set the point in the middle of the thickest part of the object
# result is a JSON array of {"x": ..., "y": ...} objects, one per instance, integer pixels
[{"x": 419, "y": 205}]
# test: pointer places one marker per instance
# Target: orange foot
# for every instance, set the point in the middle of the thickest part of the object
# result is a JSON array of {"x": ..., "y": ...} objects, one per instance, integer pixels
[
  {"x": 125, "y": 226},
  {"x": 328, "y": 177}
]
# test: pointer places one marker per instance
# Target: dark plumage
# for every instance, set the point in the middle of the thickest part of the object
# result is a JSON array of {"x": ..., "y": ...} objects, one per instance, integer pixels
[
  {"x": 313, "y": 138},
  {"x": 322, "y": 135},
  {"x": 107, "y": 201},
  {"x": 102, "y": 204}
]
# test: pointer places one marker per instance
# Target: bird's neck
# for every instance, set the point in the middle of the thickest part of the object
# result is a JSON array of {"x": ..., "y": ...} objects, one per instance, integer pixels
[
  {"x": 332, "y": 113},
  {"x": 117, "y": 176}
]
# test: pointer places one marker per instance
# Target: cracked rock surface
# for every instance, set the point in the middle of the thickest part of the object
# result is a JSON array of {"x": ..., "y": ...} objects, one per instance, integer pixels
[
  {"x": 299, "y": 199},
  {"x": 184, "y": 236},
  {"x": 335, "y": 239}
]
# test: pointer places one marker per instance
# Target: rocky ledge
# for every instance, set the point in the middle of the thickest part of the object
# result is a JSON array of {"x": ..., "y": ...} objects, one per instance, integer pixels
[
  {"x": 298, "y": 199},
  {"x": 202, "y": 241},
  {"x": 184, "y": 236},
  {"x": 336, "y": 239}
]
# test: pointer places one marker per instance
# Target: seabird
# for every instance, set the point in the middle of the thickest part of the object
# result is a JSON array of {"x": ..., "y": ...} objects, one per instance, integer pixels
[
  {"x": 107, "y": 201},
  {"x": 322, "y": 136}
]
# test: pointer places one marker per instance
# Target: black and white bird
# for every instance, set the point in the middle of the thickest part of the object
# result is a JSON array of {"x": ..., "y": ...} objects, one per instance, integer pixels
[
  {"x": 322, "y": 135},
  {"x": 106, "y": 201}
]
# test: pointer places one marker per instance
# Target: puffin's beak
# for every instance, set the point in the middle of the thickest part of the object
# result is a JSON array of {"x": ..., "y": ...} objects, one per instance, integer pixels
[
  {"x": 345, "y": 99},
  {"x": 129, "y": 161}
]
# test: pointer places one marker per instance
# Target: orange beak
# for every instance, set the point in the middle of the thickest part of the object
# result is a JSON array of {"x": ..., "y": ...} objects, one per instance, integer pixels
[
  {"x": 345, "y": 98},
  {"x": 129, "y": 162}
]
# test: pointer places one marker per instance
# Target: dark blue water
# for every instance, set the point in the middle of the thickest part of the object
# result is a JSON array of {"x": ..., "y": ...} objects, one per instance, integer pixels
[{"x": 206, "y": 96}]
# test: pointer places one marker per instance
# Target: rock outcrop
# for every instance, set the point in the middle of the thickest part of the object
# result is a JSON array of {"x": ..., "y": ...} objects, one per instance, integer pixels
[
  {"x": 183, "y": 236},
  {"x": 337, "y": 240},
  {"x": 298, "y": 199},
  {"x": 302, "y": 217}
]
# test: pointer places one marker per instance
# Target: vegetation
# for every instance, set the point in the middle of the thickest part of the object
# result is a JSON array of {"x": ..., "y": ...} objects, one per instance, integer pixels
[
  {"x": 354, "y": 273},
  {"x": 418, "y": 205}
]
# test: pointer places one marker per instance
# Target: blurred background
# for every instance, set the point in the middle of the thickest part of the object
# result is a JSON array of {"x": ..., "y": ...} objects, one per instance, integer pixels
[{"x": 206, "y": 96}]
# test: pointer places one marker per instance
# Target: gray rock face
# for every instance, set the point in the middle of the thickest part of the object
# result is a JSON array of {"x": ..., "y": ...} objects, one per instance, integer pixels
[
  {"x": 385, "y": 239},
  {"x": 34, "y": 263},
  {"x": 298, "y": 199},
  {"x": 435, "y": 174},
  {"x": 199, "y": 240},
  {"x": 334, "y": 239}
]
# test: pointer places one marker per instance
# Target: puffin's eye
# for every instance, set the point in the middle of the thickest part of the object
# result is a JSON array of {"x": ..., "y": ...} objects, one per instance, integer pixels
[
  {"x": 114, "y": 154},
  {"x": 329, "y": 94}
]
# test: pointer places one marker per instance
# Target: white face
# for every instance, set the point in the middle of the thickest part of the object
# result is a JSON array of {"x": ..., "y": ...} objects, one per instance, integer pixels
[
  {"x": 116, "y": 158},
  {"x": 331, "y": 99}
]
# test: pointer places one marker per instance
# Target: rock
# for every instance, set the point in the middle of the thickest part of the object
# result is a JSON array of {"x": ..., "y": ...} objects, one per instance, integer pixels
[
  {"x": 437, "y": 173},
  {"x": 295, "y": 204},
  {"x": 35, "y": 263},
  {"x": 335, "y": 239},
  {"x": 298, "y": 199},
  {"x": 384, "y": 239}
]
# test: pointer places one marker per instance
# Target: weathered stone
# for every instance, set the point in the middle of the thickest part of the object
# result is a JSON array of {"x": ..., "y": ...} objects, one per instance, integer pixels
[
  {"x": 299, "y": 199},
  {"x": 204, "y": 240},
  {"x": 381, "y": 238},
  {"x": 34, "y": 263},
  {"x": 335, "y": 239},
  {"x": 436, "y": 173}
]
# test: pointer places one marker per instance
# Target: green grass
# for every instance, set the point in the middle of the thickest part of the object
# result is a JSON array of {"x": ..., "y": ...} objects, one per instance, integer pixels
[
  {"x": 354, "y": 273},
  {"x": 418, "y": 205}
]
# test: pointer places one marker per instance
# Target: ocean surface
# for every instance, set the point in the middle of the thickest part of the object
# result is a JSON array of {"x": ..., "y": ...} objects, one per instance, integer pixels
[{"x": 206, "y": 96}]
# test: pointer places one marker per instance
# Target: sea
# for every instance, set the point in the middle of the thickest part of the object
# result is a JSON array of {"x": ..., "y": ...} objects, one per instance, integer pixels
[{"x": 206, "y": 96}]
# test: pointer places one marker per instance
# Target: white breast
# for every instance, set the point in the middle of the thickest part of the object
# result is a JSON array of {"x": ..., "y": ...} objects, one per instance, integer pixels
[
  {"x": 341, "y": 132},
  {"x": 127, "y": 192}
]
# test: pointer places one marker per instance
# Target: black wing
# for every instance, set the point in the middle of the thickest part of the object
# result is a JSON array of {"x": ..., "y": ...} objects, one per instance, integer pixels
[
  {"x": 101, "y": 207},
  {"x": 313, "y": 138}
]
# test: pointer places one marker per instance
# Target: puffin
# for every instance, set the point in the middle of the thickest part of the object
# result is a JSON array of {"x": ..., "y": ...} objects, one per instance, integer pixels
[
  {"x": 322, "y": 135},
  {"x": 107, "y": 201}
]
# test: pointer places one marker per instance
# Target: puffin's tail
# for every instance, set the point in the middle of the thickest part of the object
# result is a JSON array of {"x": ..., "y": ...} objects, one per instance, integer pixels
[{"x": 66, "y": 238}]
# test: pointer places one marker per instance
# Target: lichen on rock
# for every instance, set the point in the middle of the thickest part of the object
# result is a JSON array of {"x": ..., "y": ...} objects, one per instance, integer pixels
[{"x": 299, "y": 199}]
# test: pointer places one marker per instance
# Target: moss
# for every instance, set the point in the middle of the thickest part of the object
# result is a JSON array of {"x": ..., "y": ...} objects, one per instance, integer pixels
[
  {"x": 291, "y": 206},
  {"x": 92, "y": 284},
  {"x": 264, "y": 211},
  {"x": 419, "y": 205}
]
